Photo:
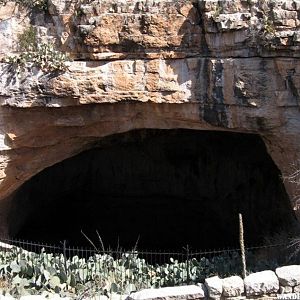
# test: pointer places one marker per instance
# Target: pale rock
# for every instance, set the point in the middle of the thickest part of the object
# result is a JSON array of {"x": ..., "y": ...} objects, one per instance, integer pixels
[
  {"x": 289, "y": 275},
  {"x": 112, "y": 296},
  {"x": 139, "y": 64},
  {"x": 261, "y": 283},
  {"x": 214, "y": 287},
  {"x": 97, "y": 297},
  {"x": 33, "y": 297},
  {"x": 44, "y": 296},
  {"x": 233, "y": 286},
  {"x": 6, "y": 297},
  {"x": 188, "y": 292}
]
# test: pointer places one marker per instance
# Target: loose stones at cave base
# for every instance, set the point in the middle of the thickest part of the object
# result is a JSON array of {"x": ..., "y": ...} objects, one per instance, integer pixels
[
  {"x": 233, "y": 286},
  {"x": 289, "y": 275},
  {"x": 214, "y": 287},
  {"x": 188, "y": 292},
  {"x": 260, "y": 283}
]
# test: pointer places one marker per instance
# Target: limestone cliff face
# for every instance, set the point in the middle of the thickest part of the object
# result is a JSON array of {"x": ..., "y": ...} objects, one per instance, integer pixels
[{"x": 209, "y": 65}]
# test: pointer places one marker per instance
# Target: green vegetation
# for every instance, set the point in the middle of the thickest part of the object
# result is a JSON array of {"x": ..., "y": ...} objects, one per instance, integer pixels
[
  {"x": 32, "y": 51},
  {"x": 30, "y": 4},
  {"x": 42, "y": 55},
  {"x": 268, "y": 26},
  {"x": 28, "y": 273},
  {"x": 263, "y": 33},
  {"x": 28, "y": 40},
  {"x": 31, "y": 273},
  {"x": 217, "y": 11}
]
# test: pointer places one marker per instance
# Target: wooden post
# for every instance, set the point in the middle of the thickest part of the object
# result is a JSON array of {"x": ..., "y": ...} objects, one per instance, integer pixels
[{"x": 242, "y": 245}]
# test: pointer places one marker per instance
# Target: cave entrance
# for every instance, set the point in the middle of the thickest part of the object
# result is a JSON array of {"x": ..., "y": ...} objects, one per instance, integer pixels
[{"x": 164, "y": 188}]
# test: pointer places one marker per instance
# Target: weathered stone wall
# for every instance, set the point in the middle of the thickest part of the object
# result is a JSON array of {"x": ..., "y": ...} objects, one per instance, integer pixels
[{"x": 218, "y": 65}]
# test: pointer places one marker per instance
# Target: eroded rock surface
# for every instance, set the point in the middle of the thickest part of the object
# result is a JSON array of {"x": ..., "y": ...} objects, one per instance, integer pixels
[
  {"x": 261, "y": 283},
  {"x": 233, "y": 286},
  {"x": 209, "y": 65}
]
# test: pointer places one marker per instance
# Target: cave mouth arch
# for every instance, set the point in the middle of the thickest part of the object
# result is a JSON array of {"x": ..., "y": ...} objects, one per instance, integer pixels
[{"x": 166, "y": 188}]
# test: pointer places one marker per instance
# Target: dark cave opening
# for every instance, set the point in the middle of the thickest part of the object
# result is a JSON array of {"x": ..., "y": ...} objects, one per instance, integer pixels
[{"x": 164, "y": 188}]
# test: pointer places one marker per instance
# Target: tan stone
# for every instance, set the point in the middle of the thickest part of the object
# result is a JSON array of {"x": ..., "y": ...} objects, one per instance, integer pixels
[{"x": 150, "y": 64}]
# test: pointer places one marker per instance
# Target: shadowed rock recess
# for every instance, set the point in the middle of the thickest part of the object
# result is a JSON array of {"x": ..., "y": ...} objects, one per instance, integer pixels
[
  {"x": 103, "y": 143},
  {"x": 167, "y": 187}
]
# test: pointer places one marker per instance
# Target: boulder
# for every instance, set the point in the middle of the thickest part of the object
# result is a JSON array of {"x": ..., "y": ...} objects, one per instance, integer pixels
[
  {"x": 214, "y": 287},
  {"x": 260, "y": 283},
  {"x": 233, "y": 286},
  {"x": 289, "y": 275}
]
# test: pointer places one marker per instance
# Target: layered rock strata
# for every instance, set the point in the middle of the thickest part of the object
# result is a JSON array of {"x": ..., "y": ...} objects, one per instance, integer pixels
[{"x": 207, "y": 65}]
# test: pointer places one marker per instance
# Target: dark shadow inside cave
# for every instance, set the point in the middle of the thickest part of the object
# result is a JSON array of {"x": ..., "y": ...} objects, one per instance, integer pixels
[{"x": 170, "y": 188}]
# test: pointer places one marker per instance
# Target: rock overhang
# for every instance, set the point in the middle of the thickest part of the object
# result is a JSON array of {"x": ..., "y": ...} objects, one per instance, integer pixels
[{"x": 207, "y": 65}]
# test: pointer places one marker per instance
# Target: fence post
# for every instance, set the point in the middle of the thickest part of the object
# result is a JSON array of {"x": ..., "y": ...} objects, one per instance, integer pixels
[
  {"x": 242, "y": 244},
  {"x": 187, "y": 264},
  {"x": 65, "y": 256}
]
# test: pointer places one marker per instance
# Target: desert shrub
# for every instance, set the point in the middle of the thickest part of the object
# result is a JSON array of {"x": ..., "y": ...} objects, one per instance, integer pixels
[
  {"x": 32, "y": 273},
  {"x": 28, "y": 40},
  {"x": 26, "y": 272},
  {"x": 30, "y": 4},
  {"x": 34, "y": 53},
  {"x": 44, "y": 57}
]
